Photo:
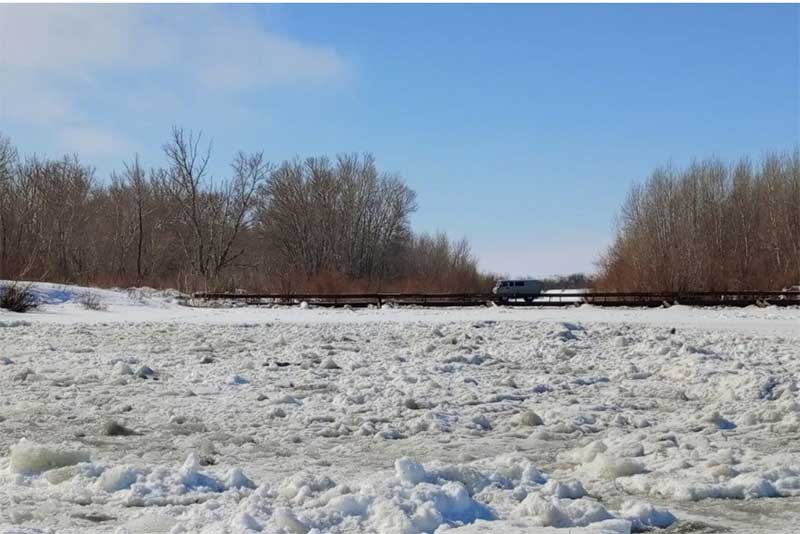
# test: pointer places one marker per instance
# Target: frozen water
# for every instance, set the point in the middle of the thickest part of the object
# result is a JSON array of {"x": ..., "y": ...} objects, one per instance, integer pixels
[
  {"x": 396, "y": 420},
  {"x": 28, "y": 457}
]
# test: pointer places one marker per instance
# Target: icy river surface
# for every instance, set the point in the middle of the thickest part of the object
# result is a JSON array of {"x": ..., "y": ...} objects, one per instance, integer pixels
[{"x": 149, "y": 417}]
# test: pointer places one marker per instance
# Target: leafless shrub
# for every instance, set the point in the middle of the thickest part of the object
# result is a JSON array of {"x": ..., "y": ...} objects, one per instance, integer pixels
[
  {"x": 90, "y": 301},
  {"x": 17, "y": 297}
]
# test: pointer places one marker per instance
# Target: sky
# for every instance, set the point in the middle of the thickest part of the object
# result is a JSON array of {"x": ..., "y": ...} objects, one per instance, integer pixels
[{"x": 520, "y": 127}]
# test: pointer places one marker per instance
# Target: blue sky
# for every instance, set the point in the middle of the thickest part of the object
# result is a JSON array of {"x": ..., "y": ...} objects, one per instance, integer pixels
[{"x": 520, "y": 127}]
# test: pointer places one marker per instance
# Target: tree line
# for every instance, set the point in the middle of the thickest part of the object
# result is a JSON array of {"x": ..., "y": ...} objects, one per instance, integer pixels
[
  {"x": 316, "y": 224},
  {"x": 709, "y": 227}
]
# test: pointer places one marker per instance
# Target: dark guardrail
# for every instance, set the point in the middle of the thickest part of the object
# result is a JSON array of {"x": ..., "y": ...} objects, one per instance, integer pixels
[{"x": 633, "y": 299}]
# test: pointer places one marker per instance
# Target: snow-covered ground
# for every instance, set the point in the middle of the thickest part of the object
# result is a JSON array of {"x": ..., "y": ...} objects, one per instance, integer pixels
[{"x": 153, "y": 417}]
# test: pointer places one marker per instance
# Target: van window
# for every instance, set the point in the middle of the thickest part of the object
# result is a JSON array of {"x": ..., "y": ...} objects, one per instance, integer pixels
[{"x": 519, "y": 284}]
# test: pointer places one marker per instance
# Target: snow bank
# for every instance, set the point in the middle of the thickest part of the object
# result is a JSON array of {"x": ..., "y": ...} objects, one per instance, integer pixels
[{"x": 61, "y": 305}]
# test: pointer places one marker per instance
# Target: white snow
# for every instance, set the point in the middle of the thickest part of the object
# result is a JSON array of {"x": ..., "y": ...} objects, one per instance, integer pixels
[
  {"x": 396, "y": 420},
  {"x": 142, "y": 305}
]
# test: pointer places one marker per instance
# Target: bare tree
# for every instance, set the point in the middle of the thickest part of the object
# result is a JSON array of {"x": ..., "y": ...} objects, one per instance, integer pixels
[
  {"x": 137, "y": 183},
  {"x": 8, "y": 163},
  {"x": 184, "y": 182},
  {"x": 709, "y": 227},
  {"x": 330, "y": 224},
  {"x": 232, "y": 209}
]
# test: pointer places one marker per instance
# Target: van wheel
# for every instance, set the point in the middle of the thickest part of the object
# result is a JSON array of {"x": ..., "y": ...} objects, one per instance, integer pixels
[{"x": 528, "y": 299}]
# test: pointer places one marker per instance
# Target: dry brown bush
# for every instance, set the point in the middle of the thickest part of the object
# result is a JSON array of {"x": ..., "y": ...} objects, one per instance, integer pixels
[{"x": 90, "y": 301}]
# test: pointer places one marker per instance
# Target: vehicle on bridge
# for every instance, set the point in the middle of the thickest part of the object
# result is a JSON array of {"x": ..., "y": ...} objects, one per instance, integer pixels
[{"x": 518, "y": 289}]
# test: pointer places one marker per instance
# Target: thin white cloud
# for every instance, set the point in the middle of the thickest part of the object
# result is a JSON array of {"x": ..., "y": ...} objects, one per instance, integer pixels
[
  {"x": 74, "y": 41},
  {"x": 60, "y": 64},
  {"x": 277, "y": 61},
  {"x": 25, "y": 99},
  {"x": 238, "y": 54},
  {"x": 61, "y": 39}
]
